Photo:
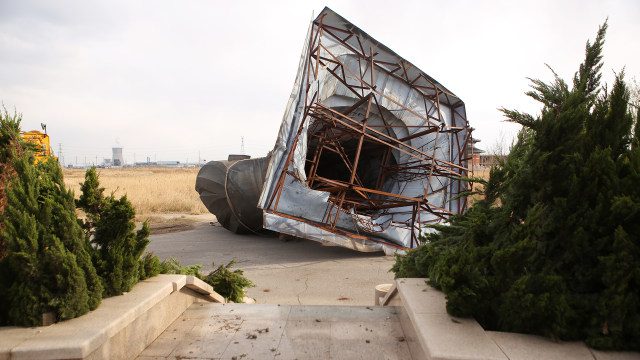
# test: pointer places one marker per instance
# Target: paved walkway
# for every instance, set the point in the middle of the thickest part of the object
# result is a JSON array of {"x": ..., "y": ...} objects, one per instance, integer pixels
[
  {"x": 265, "y": 331},
  {"x": 298, "y": 272}
]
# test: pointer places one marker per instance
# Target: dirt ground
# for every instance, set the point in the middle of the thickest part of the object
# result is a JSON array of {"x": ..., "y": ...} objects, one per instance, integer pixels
[{"x": 171, "y": 223}]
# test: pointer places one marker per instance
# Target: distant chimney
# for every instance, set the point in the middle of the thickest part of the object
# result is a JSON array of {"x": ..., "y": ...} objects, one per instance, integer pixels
[{"x": 118, "y": 160}]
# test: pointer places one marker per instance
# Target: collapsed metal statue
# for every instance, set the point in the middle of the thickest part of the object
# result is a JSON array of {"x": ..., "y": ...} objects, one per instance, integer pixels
[{"x": 370, "y": 151}]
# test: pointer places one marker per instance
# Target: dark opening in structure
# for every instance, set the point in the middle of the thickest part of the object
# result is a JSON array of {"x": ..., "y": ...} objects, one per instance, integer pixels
[{"x": 330, "y": 162}]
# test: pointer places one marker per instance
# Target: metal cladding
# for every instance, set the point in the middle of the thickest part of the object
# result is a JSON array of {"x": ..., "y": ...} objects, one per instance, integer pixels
[
  {"x": 230, "y": 190},
  {"x": 371, "y": 149}
]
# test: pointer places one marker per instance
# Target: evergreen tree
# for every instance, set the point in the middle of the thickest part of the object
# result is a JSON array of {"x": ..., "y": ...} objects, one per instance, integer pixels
[
  {"x": 151, "y": 266},
  {"x": 91, "y": 200},
  {"x": 64, "y": 225},
  {"x": 46, "y": 267},
  {"x": 553, "y": 248},
  {"x": 117, "y": 247},
  {"x": 47, "y": 262},
  {"x": 9, "y": 147}
]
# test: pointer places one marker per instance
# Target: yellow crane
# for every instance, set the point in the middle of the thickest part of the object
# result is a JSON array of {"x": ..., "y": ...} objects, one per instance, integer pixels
[{"x": 41, "y": 141}]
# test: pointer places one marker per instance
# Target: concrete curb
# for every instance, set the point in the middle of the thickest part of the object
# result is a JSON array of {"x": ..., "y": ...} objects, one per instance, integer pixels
[
  {"x": 120, "y": 328},
  {"x": 433, "y": 334}
]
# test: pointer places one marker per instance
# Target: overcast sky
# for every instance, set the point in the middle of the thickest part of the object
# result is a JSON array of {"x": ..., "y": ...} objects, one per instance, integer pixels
[{"x": 182, "y": 80}]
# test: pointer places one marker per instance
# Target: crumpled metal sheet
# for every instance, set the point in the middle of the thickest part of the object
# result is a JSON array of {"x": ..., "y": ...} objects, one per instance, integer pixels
[
  {"x": 375, "y": 101},
  {"x": 230, "y": 190}
]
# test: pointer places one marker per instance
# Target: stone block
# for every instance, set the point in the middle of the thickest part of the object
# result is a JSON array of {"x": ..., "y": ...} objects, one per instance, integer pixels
[{"x": 531, "y": 347}]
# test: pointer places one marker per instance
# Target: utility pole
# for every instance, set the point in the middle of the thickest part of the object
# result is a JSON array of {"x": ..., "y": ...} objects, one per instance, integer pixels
[
  {"x": 60, "y": 156},
  {"x": 242, "y": 145}
]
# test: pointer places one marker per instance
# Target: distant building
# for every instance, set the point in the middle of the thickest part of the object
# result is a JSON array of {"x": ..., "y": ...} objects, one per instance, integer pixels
[
  {"x": 480, "y": 159},
  {"x": 472, "y": 152},
  {"x": 118, "y": 160},
  {"x": 488, "y": 161},
  {"x": 168, "y": 163},
  {"x": 150, "y": 163},
  {"x": 145, "y": 163}
]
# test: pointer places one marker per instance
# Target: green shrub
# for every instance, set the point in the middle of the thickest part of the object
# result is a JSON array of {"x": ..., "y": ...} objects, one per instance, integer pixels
[
  {"x": 91, "y": 201},
  {"x": 47, "y": 266},
  {"x": 117, "y": 248},
  {"x": 229, "y": 283},
  {"x": 150, "y": 266},
  {"x": 173, "y": 266},
  {"x": 50, "y": 261},
  {"x": 554, "y": 247}
]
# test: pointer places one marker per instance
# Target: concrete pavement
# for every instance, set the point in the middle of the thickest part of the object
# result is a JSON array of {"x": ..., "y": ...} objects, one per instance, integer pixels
[
  {"x": 263, "y": 331},
  {"x": 296, "y": 272}
]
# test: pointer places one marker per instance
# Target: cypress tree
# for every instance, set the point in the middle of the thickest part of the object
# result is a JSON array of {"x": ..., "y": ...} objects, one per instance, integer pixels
[
  {"x": 91, "y": 200},
  {"x": 553, "y": 248},
  {"x": 67, "y": 229},
  {"x": 46, "y": 267},
  {"x": 117, "y": 248},
  {"x": 120, "y": 248},
  {"x": 9, "y": 146}
]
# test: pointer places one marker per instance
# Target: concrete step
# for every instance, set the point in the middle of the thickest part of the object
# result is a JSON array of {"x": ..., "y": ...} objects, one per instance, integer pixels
[
  {"x": 121, "y": 327},
  {"x": 433, "y": 334},
  {"x": 268, "y": 331}
]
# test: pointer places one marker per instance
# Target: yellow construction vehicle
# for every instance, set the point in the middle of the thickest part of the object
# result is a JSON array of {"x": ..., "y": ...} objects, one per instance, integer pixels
[{"x": 41, "y": 141}]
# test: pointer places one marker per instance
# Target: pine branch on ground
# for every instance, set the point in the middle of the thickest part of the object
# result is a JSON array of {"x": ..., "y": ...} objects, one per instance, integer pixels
[{"x": 231, "y": 284}]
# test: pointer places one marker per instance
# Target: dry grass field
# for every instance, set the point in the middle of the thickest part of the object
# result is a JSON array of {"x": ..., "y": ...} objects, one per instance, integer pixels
[
  {"x": 482, "y": 173},
  {"x": 151, "y": 190},
  {"x": 479, "y": 173},
  {"x": 156, "y": 192}
]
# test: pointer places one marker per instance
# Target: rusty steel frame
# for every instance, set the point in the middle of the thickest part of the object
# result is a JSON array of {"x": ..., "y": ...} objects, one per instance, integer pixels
[{"x": 328, "y": 126}]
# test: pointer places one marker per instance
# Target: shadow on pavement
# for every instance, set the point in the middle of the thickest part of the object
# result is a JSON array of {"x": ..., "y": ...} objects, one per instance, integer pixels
[{"x": 207, "y": 243}]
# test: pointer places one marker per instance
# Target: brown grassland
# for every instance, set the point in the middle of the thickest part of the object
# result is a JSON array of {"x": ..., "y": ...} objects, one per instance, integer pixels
[
  {"x": 151, "y": 190},
  {"x": 156, "y": 192},
  {"x": 478, "y": 173}
]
